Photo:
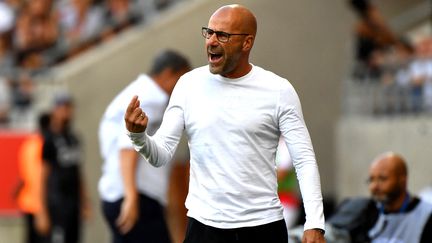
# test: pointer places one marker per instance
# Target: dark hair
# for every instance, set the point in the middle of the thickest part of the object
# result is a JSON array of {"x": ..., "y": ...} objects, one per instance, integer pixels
[
  {"x": 169, "y": 59},
  {"x": 44, "y": 121},
  {"x": 361, "y": 7}
]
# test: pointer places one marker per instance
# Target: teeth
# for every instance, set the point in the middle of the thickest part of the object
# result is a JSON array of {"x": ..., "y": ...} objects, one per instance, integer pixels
[{"x": 214, "y": 53}]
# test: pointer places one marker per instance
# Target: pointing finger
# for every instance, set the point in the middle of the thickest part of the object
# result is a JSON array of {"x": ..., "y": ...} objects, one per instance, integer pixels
[
  {"x": 136, "y": 114},
  {"x": 134, "y": 103}
]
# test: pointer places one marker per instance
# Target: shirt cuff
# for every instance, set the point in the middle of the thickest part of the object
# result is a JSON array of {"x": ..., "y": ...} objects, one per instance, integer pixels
[
  {"x": 138, "y": 139},
  {"x": 314, "y": 215}
]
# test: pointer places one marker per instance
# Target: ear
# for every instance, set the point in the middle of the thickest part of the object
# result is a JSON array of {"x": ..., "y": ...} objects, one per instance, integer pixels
[
  {"x": 166, "y": 73},
  {"x": 403, "y": 181},
  {"x": 248, "y": 43}
]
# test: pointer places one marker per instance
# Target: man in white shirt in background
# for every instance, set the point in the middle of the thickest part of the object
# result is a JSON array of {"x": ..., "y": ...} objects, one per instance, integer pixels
[
  {"x": 133, "y": 192},
  {"x": 233, "y": 114}
]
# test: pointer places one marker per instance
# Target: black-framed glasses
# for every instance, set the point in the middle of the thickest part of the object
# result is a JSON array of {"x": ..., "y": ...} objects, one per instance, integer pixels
[{"x": 220, "y": 35}]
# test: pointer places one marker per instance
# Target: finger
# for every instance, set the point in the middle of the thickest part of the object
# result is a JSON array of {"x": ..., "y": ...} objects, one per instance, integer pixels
[
  {"x": 134, "y": 103},
  {"x": 121, "y": 223},
  {"x": 126, "y": 227},
  {"x": 133, "y": 117},
  {"x": 120, "y": 220},
  {"x": 142, "y": 117},
  {"x": 144, "y": 121}
]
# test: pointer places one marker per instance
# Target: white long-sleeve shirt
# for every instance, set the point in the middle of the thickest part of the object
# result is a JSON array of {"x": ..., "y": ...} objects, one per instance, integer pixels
[{"x": 233, "y": 128}]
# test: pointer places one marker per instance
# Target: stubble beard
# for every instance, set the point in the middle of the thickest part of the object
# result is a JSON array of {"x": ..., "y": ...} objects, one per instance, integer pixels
[
  {"x": 390, "y": 197},
  {"x": 227, "y": 66}
]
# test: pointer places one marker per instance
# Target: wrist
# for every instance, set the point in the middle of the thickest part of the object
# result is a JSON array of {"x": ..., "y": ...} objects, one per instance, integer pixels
[
  {"x": 131, "y": 196},
  {"x": 137, "y": 139},
  {"x": 321, "y": 231}
]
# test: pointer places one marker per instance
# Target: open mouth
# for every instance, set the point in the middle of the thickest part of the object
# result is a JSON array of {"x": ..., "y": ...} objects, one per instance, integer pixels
[{"x": 215, "y": 57}]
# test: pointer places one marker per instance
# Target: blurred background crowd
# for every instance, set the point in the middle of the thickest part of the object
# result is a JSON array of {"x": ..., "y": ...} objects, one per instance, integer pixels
[
  {"x": 39, "y": 34},
  {"x": 396, "y": 65}
]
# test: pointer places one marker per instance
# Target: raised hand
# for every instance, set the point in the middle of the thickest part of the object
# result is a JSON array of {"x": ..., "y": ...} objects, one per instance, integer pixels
[{"x": 135, "y": 118}]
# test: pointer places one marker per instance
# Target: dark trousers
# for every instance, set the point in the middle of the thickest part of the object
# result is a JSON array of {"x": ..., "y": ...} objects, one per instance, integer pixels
[
  {"x": 151, "y": 226},
  {"x": 65, "y": 219},
  {"x": 275, "y": 232},
  {"x": 32, "y": 236}
]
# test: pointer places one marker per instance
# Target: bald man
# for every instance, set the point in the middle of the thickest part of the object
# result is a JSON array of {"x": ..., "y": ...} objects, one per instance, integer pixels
[
  {"x": 233, "y": 113},
  {"x": 403, "y": 218}
]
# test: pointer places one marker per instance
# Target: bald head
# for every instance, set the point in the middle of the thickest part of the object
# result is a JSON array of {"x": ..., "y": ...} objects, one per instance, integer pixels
[
  {"x": 237, "y": 17},
  {"x": 388, "y": 180},
  {"x": 391, "y": 162},
  {"x": 237, "y": 27}
]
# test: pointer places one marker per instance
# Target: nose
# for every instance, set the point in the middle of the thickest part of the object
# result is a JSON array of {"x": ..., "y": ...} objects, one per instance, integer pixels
[
  {"x": 212, "y": 41},
  {"x": 373, "y": 186}
]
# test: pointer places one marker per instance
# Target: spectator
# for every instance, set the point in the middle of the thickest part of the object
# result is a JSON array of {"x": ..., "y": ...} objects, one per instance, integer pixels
[
  {"x": 7, "y": 17},
  {"x": 82, "y": 24},
  {"x": 36, "y": 32},
  {"x": 15, "y": 5},
  {"x": 372, "y": 36},
  {"x": 120, "y": 15},
  {"x": 22, "y": 93},
  {"x": 396, "y": 92},
  {"x": 421, "y": 75},
  {"x": 151, "y": 8},
  {"x": 404, "y": 58},
  {"x": 7, "y": 57},
  {"x": 5, "y": 101}
]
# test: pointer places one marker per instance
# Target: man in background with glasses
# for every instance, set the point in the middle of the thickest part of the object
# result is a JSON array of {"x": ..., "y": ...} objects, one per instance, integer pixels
[
  {"x": 233, "y": 114},
  {"x": 402, "y": 216}
]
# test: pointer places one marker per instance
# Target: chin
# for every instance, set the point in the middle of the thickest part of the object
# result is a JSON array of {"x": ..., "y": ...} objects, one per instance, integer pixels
[
  {"x": 380, "y": 199},
  {"x": 214, "y": 70}
]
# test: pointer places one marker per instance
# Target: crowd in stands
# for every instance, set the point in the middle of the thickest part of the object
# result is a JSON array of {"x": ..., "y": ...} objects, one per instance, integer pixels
[
  {"x": 403, "y": 74},
  {"x": 400, "y": 67},
  {"x": 38, "y": 34}
]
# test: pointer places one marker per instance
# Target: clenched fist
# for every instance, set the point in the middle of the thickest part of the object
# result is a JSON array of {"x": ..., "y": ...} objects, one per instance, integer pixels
[{"x": 135, "y": 118}]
